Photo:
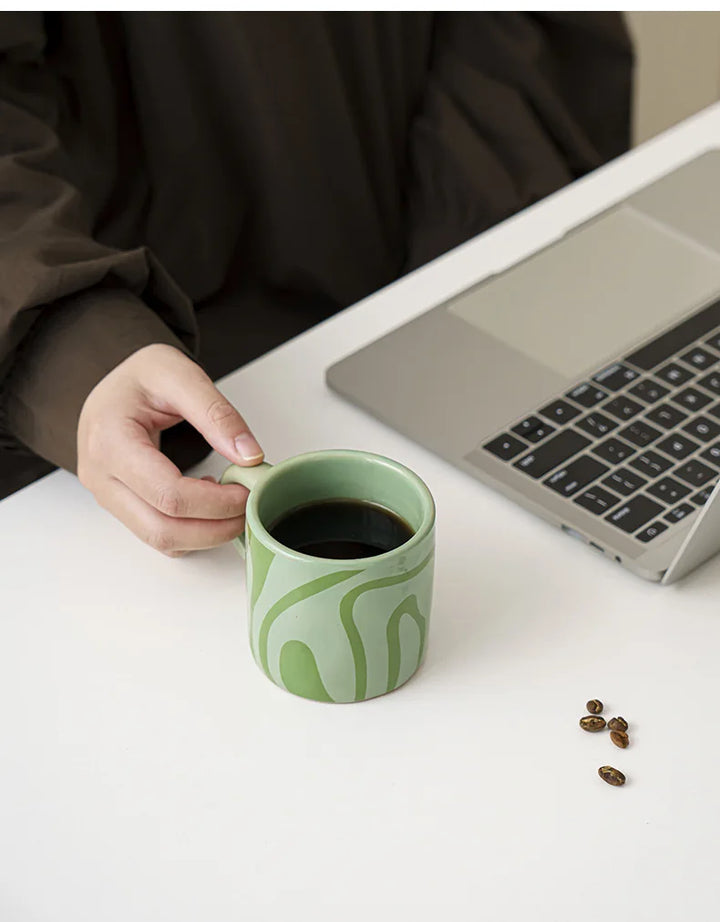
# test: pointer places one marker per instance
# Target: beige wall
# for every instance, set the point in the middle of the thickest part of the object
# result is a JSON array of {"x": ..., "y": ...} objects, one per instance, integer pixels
[{"x": 678, "y": 67}]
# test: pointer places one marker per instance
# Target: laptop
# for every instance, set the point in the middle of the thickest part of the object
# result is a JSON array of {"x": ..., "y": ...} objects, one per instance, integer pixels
[{"x": 584, "y": 381}]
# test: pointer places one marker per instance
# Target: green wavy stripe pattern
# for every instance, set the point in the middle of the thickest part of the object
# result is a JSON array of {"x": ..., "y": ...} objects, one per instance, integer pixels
[
  {"x": 262, "y": 557},
  {"x": 408, "y": 606},
  {"x": 299, "y": 671},
  {"x": 353, "y": 635},
  {"x": 292, "y": 598}
]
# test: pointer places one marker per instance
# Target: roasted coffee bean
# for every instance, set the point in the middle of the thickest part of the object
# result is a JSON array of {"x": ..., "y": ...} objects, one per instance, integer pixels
[
  {"x": 611, "y": 775},
  {"x": 592, "y": 724},
  {"x": 620, "y": 738},
  {"x": 618, "y": 723},
  {"x": 594, "y": 706}
]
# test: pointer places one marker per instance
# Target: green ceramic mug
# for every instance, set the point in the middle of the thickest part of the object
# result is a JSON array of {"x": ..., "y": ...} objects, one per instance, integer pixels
[{"x": 328, "y": 629}]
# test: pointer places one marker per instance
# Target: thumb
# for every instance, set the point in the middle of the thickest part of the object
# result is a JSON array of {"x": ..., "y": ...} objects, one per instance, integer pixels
[{"x": 191, "y": 393}]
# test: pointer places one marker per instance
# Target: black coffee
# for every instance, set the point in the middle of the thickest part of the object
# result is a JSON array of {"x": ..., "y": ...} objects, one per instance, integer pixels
[{"x": 341, "y": 528}]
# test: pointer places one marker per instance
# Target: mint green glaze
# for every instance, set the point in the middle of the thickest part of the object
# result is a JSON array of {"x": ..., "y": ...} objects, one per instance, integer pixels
[
  {"x": 319, "y": 584},
  {"x": 299, "y": 671},
  {"x": 261, "y": 558},
  {"x": 250, "y": 477},
  {"x": 408, "y": 606},
  {"x": 335, "y": 630},
  {"x": 346, "y": 616}
]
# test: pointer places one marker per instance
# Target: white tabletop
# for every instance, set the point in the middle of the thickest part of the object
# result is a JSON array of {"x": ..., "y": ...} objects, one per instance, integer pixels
[{"x": 150, "y": 772}]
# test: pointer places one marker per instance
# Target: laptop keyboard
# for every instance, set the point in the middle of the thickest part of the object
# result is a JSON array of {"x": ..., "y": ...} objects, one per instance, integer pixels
[{"x": 637, "y": 443}]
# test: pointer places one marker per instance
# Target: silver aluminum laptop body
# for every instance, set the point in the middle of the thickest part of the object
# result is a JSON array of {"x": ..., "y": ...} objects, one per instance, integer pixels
[{"x": 466, "y": 373}]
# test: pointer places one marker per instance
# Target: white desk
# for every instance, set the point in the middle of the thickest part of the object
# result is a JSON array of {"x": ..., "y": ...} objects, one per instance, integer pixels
[{"x": 150, "y": 773}]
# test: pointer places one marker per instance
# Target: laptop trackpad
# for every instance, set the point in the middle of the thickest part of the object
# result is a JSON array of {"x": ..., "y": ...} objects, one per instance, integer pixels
[{"x": 595, "y": 294}]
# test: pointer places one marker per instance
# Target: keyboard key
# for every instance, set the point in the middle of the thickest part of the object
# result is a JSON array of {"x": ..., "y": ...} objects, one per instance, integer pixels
[
  {"x": 648, "y": 390},
  {"x": 698, "y": 358},
  {"x": 704, "y": 495},
  {"x": 714, "y": 410},
  {"x": 559, "y": 411},
  {"x": 615, "y": 377},
  {"x": 677, "y": 446},
  {"x": 505, "y": 446},
  {"x": 679, "y": 513},
  {"x": 691, "y": 398},
  {"x": 613, "y": 450},
  {"x": 703, "y": 428},
  {"x": 710, "y": 382},
  {"x": 651, "y": 464},
  {"x": 634, "y": 513},
  {"x": 640, "y": 433},
  {"x": 597, "y": 424},
  {"x": 669, "y": 490},
  {"x": 666, "y": 415},
  {"x": 576, "y": 475},
  {"x": 597, "y": 500},
  {"x": 674, "y": 374},
  {"x": 622, "y": 407},
  {"x": 542, "y": 432},
  {"x": 714, "y": 341},
  {"x": 556, "y": 450},
  {"x": 652, "y": 531},
  {"x": 712, "y": 454},
  {"x": 527, "y": 425},
  {"x": 587, "y": 395},
  {"x": 533, "y": 429},
  {"x": 624, "y": 481},
  {"x": 695, "y": 473}
]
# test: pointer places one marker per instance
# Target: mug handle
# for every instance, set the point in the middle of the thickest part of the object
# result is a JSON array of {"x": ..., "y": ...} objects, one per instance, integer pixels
[{"x": 248, "y": 477}]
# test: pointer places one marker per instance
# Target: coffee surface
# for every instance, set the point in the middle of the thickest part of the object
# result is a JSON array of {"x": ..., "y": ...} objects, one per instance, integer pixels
[{"x": 342, "y": 529}]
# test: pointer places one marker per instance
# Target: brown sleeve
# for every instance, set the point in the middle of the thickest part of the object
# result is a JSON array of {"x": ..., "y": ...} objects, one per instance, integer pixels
[
  {"x": 71, "y": 308},
  {"x": 516, "y": 105}
]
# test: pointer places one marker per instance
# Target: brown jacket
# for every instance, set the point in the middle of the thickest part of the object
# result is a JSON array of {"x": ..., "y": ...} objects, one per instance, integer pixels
[{"x": 248, "y": 173}]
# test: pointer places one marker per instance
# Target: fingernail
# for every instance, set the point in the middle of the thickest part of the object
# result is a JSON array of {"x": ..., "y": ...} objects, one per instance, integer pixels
[{"x": 248, "y": 448}]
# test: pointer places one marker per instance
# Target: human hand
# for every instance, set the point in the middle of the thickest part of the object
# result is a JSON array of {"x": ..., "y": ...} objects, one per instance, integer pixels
[{"x": 119, "y": 459}]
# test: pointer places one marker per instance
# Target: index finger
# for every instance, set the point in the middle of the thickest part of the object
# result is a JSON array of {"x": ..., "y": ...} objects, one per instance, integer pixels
[
  {"x": 182, "y": 385},
  {"x": 153, "y": 477}
]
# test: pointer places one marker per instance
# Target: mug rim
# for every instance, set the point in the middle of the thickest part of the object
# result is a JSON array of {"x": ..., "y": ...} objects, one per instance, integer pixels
[{"x": 263, "y": 535}]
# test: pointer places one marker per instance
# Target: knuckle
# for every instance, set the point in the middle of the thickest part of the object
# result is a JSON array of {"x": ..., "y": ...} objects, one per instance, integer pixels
[
  {"x": 234, "y": 528},
  {"x": 231, "y": 510},
  {"x": 161, "y": 540},
  {"x": 83, "y": 473},
  {"x": 103, "y": 498},
  {"x": 220, "y": 411},
  {"x": 95, "y": 441},
  {"x": 90, "y": 476},
  {"x": 169, "y": 501}
]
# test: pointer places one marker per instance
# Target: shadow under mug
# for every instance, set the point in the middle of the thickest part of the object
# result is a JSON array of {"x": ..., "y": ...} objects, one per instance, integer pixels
[{"x": 330, "y": 629}]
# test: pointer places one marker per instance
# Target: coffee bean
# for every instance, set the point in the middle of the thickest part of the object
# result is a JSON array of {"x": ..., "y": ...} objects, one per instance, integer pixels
[
  {"x": 618, "y": 723},
  {"x": 592, "y": 724},
  {"x": 620, "y": 738},
  {"x": 611, "y": 775},
  {"x": 594, "y": 706}
]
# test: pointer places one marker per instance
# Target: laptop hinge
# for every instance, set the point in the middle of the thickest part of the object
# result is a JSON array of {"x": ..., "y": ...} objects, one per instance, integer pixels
[{"x": 701, "y": 542}]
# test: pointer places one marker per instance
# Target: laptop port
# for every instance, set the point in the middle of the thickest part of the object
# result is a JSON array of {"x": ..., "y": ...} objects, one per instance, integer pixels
[
  {"x": 581, "y": 537},
  {"x": 573, "y": 533}
]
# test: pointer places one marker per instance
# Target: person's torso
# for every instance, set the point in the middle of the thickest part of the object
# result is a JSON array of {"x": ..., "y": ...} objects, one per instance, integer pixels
[{"x": 269, "y": 146}]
